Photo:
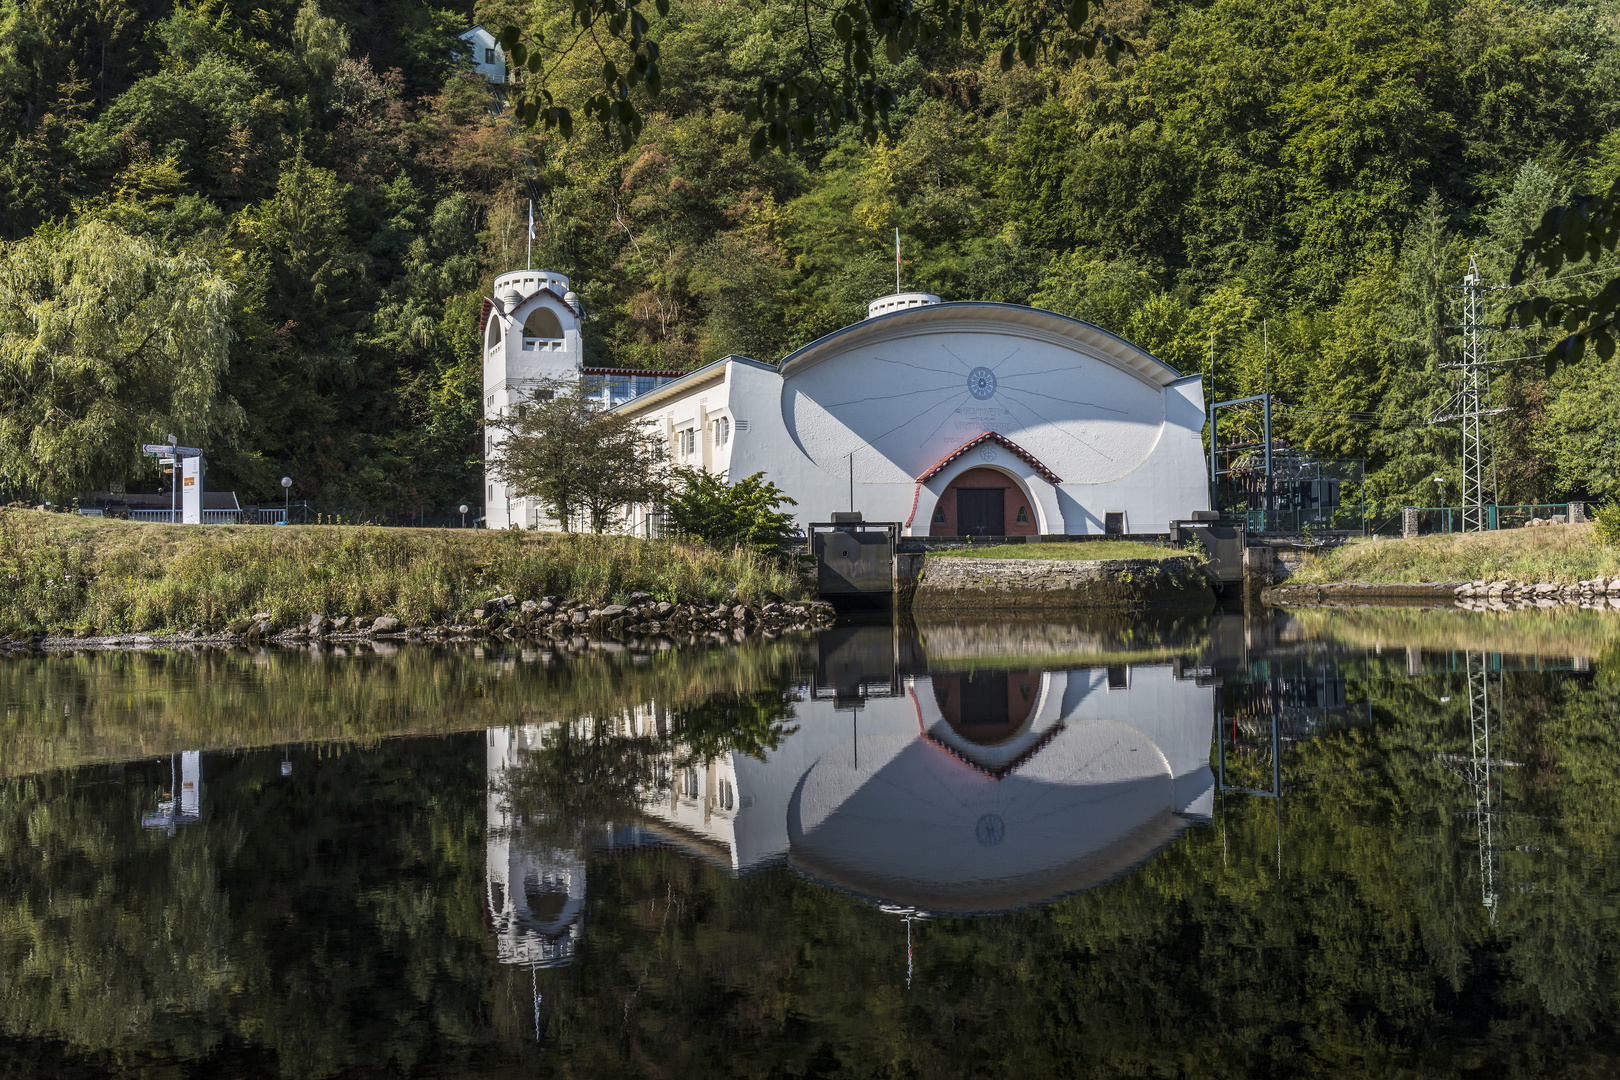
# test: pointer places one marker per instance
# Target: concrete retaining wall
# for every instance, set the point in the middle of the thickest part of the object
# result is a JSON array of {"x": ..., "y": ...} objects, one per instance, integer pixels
[{"x": 947, "y": 584}]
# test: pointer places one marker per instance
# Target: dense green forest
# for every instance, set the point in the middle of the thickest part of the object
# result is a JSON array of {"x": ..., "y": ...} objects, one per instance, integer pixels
[{"x": 1274, "y": 193}]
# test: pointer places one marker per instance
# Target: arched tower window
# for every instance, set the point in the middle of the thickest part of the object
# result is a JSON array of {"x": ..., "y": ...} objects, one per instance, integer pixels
[
  {"x": 492, "y": 333},
  {"x": 542, "y": 323}
]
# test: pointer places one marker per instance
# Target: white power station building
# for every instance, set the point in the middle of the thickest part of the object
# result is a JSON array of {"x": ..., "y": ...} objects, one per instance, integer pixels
[{"x": 955, "y": 419}]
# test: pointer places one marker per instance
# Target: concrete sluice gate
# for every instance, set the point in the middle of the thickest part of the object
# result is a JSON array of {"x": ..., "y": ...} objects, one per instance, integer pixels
[{"x": 941, "y": 789}]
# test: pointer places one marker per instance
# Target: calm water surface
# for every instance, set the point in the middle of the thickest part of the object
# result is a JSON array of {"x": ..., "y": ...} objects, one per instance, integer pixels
[{"x": 1337, "y": 843}]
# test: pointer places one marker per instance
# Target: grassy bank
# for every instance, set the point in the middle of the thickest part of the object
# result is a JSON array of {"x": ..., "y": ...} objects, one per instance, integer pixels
[
  {"x": 1560, "y": 553},
  {"x": 1091, "y": 549},
  {"x": 64, "y": 573}
]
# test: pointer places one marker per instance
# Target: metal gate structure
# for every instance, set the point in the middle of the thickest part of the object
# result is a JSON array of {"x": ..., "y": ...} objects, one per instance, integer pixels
[{"x": 854, "y": 558}]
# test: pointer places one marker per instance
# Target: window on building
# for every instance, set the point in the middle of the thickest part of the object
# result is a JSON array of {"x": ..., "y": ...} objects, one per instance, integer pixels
[
  {"x": 619, "y": 386},
  {"x": 687, "y": 439},
  {"x": 489, "y": 56},
  {"x": 722, "y": 431},
  {"x": 1023, "y": 515},
  {"x": 727, "y": 797},
  {"x": 689, "y": 783},
  {"x": 542, "y": 323},
  {"x": 1119, "y": 678},
  {"x": 646, "y": 384},
  {"x": 1114, "y": 524},
  {"x": 939, "y": 514},
  {"x": 492, "y": 493}
]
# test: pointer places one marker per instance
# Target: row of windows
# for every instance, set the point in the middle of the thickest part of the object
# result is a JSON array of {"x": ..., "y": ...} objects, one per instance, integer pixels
[
  {"x": 725, "y": 794},
  {"x": 620, "y": 387},
  {"x": 686, "y": 438}
]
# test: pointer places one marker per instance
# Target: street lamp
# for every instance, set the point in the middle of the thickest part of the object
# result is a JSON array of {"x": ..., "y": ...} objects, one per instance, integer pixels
[
  {"x": 286, "y": 489},
  {"x": 463, "y": 515},
  {"x": 174, "y": 480}
]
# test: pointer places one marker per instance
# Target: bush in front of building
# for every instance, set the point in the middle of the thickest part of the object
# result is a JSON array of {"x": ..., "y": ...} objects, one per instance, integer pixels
[
  {"x": 1607, "y": 521},
  {"x": 703, "y": 506}
]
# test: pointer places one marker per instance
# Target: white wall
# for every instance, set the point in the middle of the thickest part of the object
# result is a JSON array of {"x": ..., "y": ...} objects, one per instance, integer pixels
[
  {"x": 489, "y": 59},
  {"x": 1122, "y": 437}
]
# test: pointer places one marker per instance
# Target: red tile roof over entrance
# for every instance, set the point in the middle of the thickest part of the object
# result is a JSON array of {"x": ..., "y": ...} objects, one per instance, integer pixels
[{"x": 1047, "y": 474}]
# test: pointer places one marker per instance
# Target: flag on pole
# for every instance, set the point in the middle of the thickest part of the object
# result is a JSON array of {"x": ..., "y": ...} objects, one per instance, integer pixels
[
  {"x": 896, "y": 260},
  {"x": 531, "y": 219}
]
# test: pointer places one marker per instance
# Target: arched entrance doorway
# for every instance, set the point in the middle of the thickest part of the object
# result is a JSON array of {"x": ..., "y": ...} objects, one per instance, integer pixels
[
  {"x": 984, "y": 502},
  {"x": 987, "y": 707}
]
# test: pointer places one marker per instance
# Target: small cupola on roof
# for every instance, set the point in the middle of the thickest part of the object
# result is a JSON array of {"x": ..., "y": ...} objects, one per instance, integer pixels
[{"x": 884, "y": 305}]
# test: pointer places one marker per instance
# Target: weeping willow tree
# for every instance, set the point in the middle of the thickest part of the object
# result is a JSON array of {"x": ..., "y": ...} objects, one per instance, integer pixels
[{"x": 106, "y": 342}]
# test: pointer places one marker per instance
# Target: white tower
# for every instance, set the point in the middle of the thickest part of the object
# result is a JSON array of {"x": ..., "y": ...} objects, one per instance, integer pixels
[
  {"x": 531, "y": 335},
  {"x": 534, "y": 894}
]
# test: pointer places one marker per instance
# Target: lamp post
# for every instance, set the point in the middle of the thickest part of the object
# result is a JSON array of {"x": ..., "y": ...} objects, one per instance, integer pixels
[
  {"x": 286, "y": 491},
  {"x": 463, "y": 515},
  {"x": 174, "y": 479}
]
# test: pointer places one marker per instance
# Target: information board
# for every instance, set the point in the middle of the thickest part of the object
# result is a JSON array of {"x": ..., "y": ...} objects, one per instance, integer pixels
[{"x": 191, "y": 490}]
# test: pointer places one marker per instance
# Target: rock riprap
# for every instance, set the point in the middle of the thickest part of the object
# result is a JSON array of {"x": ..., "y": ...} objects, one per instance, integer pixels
[{"x": 501, "y": 616}]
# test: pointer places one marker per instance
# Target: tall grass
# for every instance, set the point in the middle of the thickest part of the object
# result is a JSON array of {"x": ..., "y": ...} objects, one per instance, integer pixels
[
  {"x": 1557, "y": 553},
  {"x": 59, "y": 572}
]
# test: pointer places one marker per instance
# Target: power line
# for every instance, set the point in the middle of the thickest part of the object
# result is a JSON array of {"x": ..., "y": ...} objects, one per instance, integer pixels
[{"x": 1556, "y": 280}]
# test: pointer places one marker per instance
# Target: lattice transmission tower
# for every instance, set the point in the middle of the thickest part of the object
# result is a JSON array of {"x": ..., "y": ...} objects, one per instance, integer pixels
[
  {"x": 1472, "y": 405},
  {"x": 1479, "y": 727}
]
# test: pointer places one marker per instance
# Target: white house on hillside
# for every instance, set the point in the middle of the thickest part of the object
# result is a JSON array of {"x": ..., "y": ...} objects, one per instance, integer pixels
[
  {"x": 489, "y": 59},
  {"x": 954, "y": 419}
]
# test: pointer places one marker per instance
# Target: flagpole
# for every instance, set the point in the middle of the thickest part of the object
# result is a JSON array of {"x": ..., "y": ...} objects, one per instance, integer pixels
[
  {"x": 528, "y": 258},
  {"x": 897, "y": 260}
]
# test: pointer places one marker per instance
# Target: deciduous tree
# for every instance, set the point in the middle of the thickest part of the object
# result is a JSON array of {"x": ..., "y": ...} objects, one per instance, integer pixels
[{"x": 106, "y": 342}]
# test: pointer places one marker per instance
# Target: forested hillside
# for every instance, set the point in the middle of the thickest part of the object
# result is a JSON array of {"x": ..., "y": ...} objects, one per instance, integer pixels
[{"x": 299, "y": 205}]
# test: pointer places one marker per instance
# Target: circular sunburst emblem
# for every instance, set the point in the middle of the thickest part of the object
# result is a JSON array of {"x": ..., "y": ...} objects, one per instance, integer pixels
[{"x": 982, "y": 383}]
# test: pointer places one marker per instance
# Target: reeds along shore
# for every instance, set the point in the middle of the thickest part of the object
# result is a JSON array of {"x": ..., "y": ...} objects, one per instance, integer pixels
[{"x": 63, "y": 574}]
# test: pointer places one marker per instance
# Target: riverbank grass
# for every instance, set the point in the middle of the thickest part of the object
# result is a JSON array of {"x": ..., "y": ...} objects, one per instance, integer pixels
[
  {"x": 64, "y": 573},
  {"x": 1564, "y": 554},
  {"x": 1074, "y": 551}
]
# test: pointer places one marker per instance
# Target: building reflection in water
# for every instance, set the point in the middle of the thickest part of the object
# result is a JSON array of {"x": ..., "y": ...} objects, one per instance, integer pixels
[
  {"x": 182, "y": 803},
  {"x": 534, "y": 894},
  {"x": 932, "y": 787}
]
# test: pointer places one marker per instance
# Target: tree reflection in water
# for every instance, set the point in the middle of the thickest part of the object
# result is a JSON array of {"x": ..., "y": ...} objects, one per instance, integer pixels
[{"x": 678, "y": 818}]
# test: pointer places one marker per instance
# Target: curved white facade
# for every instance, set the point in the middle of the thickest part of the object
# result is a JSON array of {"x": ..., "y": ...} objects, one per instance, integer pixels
[{"x": 883, "y": 416}]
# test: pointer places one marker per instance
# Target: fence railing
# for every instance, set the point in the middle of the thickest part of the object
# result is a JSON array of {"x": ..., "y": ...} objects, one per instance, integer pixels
[
  {"x": 249, "y": 516},
  {"x": 317, "y": 514},
  {"x": 1343, "y": 519},
  {"x": 1437, "y": 520}
]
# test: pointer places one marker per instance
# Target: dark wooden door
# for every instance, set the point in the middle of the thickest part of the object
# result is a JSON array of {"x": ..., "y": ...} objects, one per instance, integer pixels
[{"x": 981, "y": 511}]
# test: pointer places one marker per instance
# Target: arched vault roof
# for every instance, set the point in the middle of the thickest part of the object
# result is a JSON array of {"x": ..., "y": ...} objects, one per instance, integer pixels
[{"x": 990, "y": 317}]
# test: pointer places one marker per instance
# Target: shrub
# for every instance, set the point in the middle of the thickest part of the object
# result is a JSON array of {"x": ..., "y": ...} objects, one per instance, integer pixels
[
  {"x": 1606, "y": 519},
  {"x": 745, "y": 514}
]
